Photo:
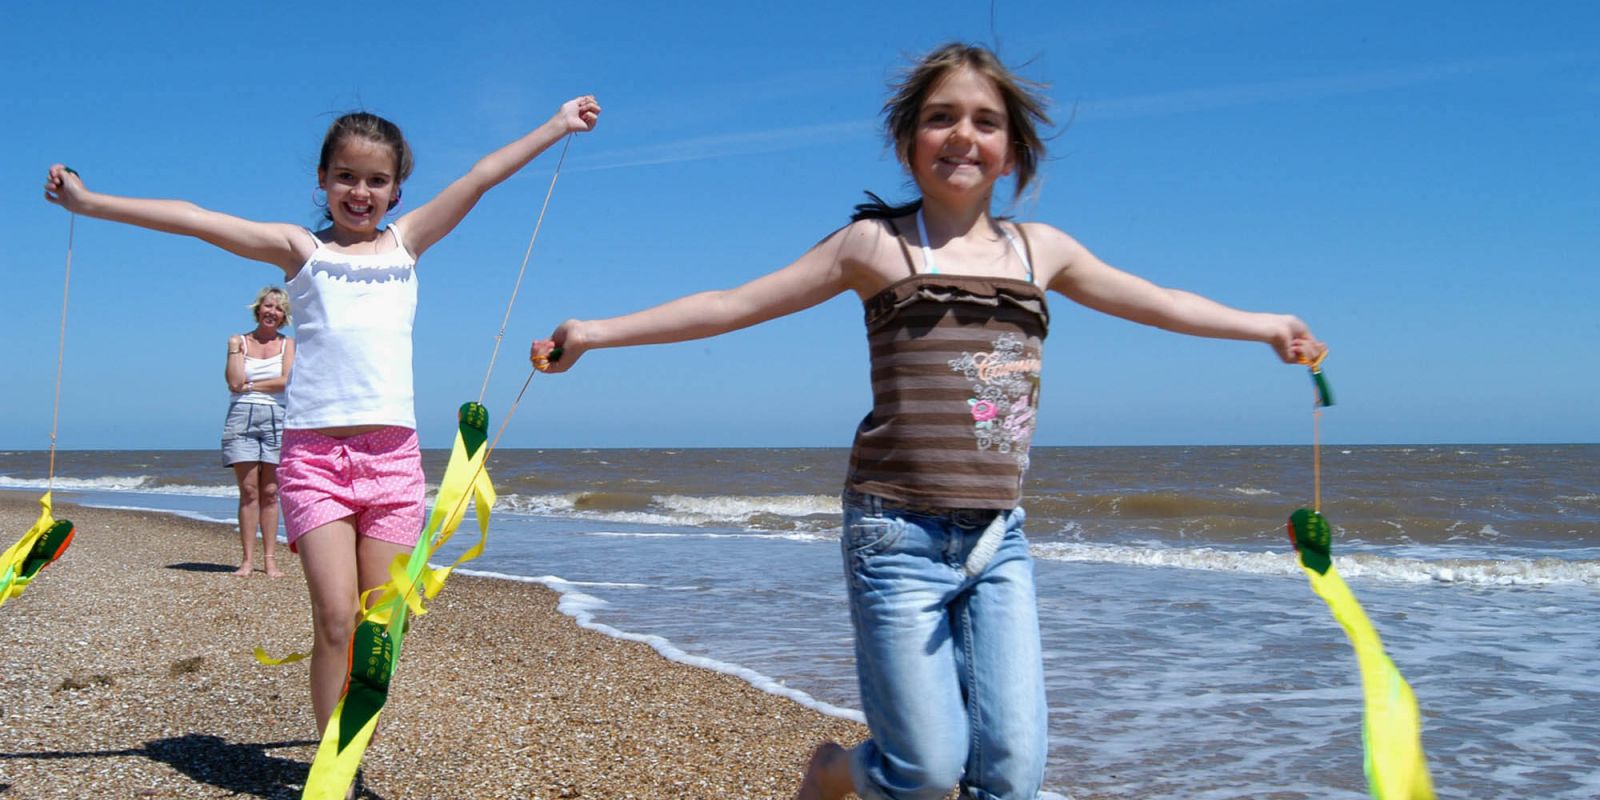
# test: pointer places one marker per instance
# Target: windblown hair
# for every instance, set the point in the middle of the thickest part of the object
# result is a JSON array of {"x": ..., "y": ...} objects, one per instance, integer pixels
[{"x": 1025, "y": 106}]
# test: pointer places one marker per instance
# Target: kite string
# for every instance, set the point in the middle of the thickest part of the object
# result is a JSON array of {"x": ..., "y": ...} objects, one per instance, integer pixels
[
  {"x": 525, "y": 256},
  {"x": 61, "y": 349},
  {"x": 466, "y": 497},
  {"x": 1316, "y": 459},
  {"x": 1318, "y": 398},
  {"x": 483, "y": 465},
  {"x": 494, "y": 354}
]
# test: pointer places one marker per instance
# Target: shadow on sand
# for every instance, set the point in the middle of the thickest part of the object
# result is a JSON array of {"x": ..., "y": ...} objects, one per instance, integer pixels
[
  {"x": 245, "y": 769},
  {"x": 195, "y": 566}
]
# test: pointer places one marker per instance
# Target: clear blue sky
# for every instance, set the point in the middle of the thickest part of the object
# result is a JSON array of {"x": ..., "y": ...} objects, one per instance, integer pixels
[{"x": 1416, "y": 180}]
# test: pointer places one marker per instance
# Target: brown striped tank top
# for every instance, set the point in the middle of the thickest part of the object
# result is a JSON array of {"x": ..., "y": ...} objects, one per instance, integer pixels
[{"x": 955, "y": 386}]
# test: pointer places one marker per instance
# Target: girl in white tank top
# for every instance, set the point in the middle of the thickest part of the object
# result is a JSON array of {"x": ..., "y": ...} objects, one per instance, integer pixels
[{"x": 352, "y": 379}]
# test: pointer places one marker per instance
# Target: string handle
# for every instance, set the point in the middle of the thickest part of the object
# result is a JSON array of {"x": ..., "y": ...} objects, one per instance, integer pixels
[
  {"x": 61, "y": 349},
  {"x": 1323, "y": 399}
]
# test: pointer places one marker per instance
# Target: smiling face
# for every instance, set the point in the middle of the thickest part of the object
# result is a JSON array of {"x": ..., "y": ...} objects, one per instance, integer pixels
[
  {"x": 361, "y": 183},
  {"x": 270, "y": 313},
  {"x": 962, "y": 142}
]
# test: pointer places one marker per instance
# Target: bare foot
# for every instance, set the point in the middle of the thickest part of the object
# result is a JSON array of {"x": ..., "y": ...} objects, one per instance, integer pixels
[
  {"x": 273, "y": 571},
  {"x": 828, "y": 774},
  {"x": 244, "y": 570}
]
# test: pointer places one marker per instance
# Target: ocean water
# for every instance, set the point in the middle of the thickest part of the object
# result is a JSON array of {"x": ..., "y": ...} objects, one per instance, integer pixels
[{"x": 1185, "y": 654}]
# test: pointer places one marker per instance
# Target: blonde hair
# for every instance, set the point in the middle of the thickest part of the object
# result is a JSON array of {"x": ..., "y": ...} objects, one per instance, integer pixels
[
  {"x": 1024, "y": 100},
  {"x": 277, "y": 293}
]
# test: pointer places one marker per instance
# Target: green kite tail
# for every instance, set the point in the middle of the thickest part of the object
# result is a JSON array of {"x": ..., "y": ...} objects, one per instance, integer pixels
[
  {"x": 38, "y": 548},
  {"x": 1391, "y": 731},
  {"x": 375, "y": 646}
]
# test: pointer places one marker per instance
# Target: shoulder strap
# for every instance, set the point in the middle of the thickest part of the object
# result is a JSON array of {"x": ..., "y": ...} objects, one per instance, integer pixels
[
  {"x": 394, "y": 229},
  {"x": 927, "y": 251},
  {"x": 904, "y": 250},
  {"x": 1025, "y": 252}
]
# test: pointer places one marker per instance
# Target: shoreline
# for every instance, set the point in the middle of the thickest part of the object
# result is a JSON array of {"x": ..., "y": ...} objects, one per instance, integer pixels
[{"x": 128, "y": 665}]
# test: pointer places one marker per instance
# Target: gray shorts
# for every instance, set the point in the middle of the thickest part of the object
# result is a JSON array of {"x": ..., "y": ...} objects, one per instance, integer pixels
[{"x": 252, "y": 432}]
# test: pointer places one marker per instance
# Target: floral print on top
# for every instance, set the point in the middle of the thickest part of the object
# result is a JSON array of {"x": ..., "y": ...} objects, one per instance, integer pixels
[{"x": 1005, "y": 385}]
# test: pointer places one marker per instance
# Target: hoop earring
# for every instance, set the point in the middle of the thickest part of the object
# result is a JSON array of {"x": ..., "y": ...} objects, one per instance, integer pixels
[
  {"x": 323, "y": 203},
  {"x": 394, "y": 205}
]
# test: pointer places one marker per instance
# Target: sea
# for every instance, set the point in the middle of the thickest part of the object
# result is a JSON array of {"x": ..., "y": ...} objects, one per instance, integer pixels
[{"x": 1185, "y": 653}]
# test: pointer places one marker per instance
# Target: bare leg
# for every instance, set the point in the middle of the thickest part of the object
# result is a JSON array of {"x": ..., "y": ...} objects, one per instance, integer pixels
[
  {"x": 247, "y": 474},
  {"x": 339, "y": 565},
  {"x": 269, "y": 518},
  {"x": 828, "y": 775},
  {"x": 328, "y": 558}
]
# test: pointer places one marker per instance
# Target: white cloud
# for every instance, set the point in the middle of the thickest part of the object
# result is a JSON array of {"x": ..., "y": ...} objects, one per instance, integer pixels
[
  {"x": 701, "y": 148},
  {"x": 1215, "y": 97}
]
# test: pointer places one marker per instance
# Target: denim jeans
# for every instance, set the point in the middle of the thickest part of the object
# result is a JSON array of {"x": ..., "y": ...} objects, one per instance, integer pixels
[{"x": 952, "y": 681}]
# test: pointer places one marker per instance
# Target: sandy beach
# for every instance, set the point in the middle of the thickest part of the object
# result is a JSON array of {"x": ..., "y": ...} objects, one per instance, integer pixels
[{"x": 126, "y": 670}]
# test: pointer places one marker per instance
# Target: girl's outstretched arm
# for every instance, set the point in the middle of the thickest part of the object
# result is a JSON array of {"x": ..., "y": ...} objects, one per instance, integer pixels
[
  {"x": 280, "y": 244},
  {"x": 823, "y": 272},
  {"x": 437, "y": 217},
  {"x": 1087, "y": 280}
]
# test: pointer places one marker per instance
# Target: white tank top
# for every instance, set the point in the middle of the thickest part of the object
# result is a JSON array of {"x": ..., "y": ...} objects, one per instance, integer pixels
[
  {"x": 257, "y": 370},
  {"x": 353, "y": 317}
]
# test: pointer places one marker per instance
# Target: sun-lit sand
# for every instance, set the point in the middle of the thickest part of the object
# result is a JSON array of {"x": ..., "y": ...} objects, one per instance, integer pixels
[{"x": 126, "y": 670}]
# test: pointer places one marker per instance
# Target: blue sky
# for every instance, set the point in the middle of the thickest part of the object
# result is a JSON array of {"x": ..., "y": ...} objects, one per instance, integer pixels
[{"x": 1416, "y": 180}]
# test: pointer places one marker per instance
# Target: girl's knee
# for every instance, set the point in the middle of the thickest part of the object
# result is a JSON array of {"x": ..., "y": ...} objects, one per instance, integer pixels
[
  {"x": 931, "y": 784},
  {"x": 926, "y": 777},
  {"x": 332, "y": 627},
  {"x": 1002, "y": 776}
]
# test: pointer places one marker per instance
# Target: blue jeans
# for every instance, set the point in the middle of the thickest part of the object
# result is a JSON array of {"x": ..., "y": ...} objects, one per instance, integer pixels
[{"x": 952, "y": 682}]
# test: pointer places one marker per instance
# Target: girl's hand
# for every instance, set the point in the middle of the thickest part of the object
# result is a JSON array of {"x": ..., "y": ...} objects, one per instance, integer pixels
[
  {"x": 579, "y": 114},
  {"x": 63, "y": 187},
  {"x": 568, "y": 338},
  {"x": 1294, "y": 343}
]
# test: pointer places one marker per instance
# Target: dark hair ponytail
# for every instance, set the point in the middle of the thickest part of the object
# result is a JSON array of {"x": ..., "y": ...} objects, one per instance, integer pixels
[{"x": 878, "y": 208}]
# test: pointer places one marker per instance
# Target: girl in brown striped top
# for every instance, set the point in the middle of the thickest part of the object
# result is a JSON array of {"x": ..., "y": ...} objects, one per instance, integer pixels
[{"x": 940, "y": 580}]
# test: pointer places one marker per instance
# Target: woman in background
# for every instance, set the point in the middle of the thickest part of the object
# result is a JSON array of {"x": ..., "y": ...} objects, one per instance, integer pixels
[{"x": 258, "y": 372}]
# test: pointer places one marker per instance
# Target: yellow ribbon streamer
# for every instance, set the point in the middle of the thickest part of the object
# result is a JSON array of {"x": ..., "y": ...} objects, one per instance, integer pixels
[
  {"x": 42, "y": 544},
  {"x": 383, "y": 626},
  {"x": 1391, "y": 727},
  {"x": 1391, "y": 731}
]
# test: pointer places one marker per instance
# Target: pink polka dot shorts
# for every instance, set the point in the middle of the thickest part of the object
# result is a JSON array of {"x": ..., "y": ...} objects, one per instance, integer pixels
[{"x": 375, "y": 477}]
